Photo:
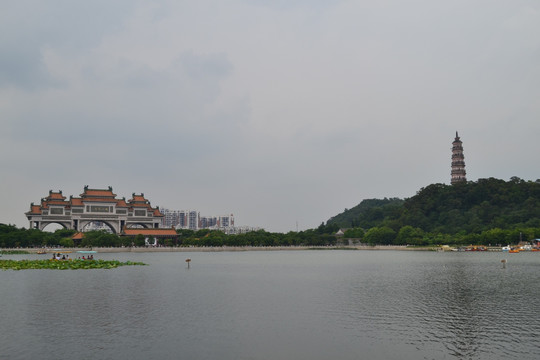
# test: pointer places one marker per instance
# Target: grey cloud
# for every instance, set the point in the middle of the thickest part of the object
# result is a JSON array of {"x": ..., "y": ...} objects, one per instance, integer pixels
[
  {"x": 201, "y": 67},
  {"x": 29, "y": 27},
  {"x": 24, "y": 68}
]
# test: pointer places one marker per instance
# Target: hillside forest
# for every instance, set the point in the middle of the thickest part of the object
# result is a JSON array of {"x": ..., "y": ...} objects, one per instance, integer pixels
[{"x": 488, "y": 211}]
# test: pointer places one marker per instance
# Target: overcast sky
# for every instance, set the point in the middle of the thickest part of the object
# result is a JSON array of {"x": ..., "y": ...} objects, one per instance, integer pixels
[{"x": 280, "y": 112}]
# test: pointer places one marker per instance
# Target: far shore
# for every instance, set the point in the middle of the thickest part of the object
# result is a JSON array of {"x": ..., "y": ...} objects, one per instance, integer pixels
[{"x": 238, "y": 248}]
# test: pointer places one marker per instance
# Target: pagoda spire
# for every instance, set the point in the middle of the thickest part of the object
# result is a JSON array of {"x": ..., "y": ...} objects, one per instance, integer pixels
[{"x": 458, "y": 173}]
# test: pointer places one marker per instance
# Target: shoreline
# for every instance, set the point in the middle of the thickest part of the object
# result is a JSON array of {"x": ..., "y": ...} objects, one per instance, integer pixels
[{"x": 235, "y": 248}]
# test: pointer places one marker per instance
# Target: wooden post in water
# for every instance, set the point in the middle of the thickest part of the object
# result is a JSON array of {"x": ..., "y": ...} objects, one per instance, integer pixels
[
  {"x": 188, "y": 260},
  {"x": 504, "y": 263}
]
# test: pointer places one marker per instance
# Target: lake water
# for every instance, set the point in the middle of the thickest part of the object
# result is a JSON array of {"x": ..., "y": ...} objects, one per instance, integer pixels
[{"x": 268, "y": 305}]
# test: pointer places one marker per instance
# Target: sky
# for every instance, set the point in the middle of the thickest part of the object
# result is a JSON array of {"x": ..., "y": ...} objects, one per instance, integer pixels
[{"x": 283, "y": 113}]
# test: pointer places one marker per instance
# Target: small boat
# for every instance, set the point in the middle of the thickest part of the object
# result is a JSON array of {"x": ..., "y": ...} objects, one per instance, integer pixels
[
  {"x": 513, "y": 250},
  {"x": 506, "y": 248},
  {"x": 87, "y": 252}
]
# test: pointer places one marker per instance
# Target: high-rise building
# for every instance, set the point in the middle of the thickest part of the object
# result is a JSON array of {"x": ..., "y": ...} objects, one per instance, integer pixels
[
  {"x": 182, "y": 220},
  {"x": 171, "y": 218},
  {"x": 206, "y": 222},
  {"x": 191, "y": 219},
  {"x": 225, "y": 221},
  {"x": 458, "y": 162}
]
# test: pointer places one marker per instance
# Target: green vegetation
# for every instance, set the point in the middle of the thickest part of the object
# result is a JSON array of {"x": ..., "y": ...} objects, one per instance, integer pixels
[
  {"x": 105, "y": 239},
  {"x": 489, "y": 211},
  {"x": 13, "y": 237},
  {"x": 368, "y": 213},
  {"x": 63, "y": 264},
  {"x": 321, "y": 236},
  {"x": 14, "y": 252}
]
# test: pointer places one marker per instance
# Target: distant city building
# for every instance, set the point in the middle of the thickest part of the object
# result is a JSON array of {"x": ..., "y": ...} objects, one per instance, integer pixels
[
  {"x": 206, "y": 222},
  {"x": 171, "y": 218},
  {"x": 192, "y": 220},
  {"x": 180, "y": 219},
  {"x": 232, "y": 230},
  {"x": 97, "y": 226},
  {"x": 458, "y": 162},
  {"x": 226, "y": 221}
]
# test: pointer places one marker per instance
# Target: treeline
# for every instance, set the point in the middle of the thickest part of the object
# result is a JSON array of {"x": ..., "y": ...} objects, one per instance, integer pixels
[
  {"x": 322, "y": 236},
  {"x": 409, "y": 235},
  {"x": 13, "y": 237},
  {"x": 489, "y": 211}
]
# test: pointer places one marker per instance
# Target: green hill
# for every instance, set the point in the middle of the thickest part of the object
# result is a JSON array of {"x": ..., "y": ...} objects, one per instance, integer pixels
[
  {"x": 369, "y": 213},
  {"x": 474, "y": 207},
  {"x": 466, "y": 208}
]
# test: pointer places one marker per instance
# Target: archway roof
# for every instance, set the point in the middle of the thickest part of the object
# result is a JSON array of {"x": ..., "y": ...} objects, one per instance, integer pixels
[{"x": 93, "y": 196}]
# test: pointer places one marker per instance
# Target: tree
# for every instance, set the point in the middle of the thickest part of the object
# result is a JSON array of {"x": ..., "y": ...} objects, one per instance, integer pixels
[
  {"x": 380, "y": 235},
  {"x": 356, "y": 233},
  {"x": 66, "y": 242},
  {"x": 139, "y": 240},
  {"x": 409, "y": 235}
]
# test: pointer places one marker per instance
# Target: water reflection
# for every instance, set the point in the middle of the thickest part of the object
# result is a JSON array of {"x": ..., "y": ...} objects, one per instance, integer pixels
[
  {"x": 449, "y": 304},
  {"x": 457, "y": 318}
]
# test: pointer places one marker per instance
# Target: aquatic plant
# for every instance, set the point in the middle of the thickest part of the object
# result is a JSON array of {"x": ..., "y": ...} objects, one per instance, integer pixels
[{"x": 63, "y": 264}]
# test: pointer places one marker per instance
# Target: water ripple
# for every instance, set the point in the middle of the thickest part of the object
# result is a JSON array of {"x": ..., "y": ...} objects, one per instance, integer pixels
[{"x": 284, "y": 305}]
